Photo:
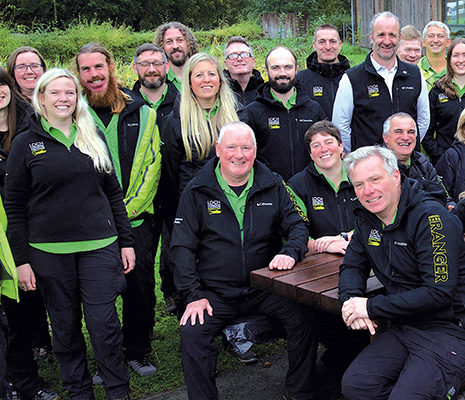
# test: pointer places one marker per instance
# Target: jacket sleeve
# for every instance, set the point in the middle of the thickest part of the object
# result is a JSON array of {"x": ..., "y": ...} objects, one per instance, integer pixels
[
  {"x": 183, "y": 250},
  {"x": 436, "y": 237},
  {"x": 293, "y": 220},
  {"x": 446, "y": 168},
  {"x": 429, "y": 142}
]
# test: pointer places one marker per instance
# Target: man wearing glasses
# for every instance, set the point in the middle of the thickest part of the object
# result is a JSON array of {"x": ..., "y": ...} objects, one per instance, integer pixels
[{"x": 239, "y": 64}]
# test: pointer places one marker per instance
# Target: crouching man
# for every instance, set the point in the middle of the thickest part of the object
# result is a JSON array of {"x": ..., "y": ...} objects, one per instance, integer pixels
[
  {"x": 416, "y": 250},
  {"x": 231, "y": 220}
]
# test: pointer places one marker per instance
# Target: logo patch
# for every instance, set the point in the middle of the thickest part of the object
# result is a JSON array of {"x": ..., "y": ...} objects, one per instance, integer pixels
[
  {"x": 37, "y": 148},
  {"x": 443, "y": 98},
  {"x": 263, "y": 203},
  {"x": 318, "y": 203},
  {"x": 441, "y": 270},
  {"x": 373, "y": 90},
  {"x": 214, "y": 207},
  {"x": 407, "y": 87},
  {"x": 374, "y": 239},
  {"x": 273, "y": 123},
  {"x": 317, "y": 91}
]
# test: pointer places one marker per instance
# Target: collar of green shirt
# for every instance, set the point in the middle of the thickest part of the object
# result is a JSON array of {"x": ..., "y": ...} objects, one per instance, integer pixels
[
  {"x": 425, "y": 65},
  {"x": 58, "y": 135},
  {"x": 290, "y": 103},
  {"x": 174, "y": 79},
  {"x": 395, "y": 215},
  {"x": 212, "y": 111},
  {"x": 461, "y": 91},
  {"x": 344, "y": 178},
  {"x": 159, "y": 101}
]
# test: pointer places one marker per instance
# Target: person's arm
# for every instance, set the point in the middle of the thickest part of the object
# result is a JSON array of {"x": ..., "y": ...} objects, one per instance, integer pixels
[
  {"x": 447, "y": 168},
  {"x": 429, "y": 142},
  {"x": 423, "y": 112},
  {"x": 343, "y": 109}
]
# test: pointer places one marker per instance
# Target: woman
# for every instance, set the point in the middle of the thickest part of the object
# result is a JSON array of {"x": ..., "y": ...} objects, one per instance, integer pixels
[
  {"x": 451, "y": 166},
  {"x": 446, "y": 103},
  {"x": 25, "y": 65},
  {"x": 66, "y": 225},
  {"x": 325, "y": 190},
  {"x": 190, "y": 132}
]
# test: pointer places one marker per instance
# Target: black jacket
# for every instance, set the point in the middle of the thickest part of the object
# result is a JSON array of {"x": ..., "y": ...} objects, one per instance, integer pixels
[
  {"x": 419, "y": 259},
  {"x": 248, "y": 95},
  {"x": 53, "y": 194},
  {"x": 451, "y": 167},
  {"x": 329, "y": 213},
  {"x": 206, "y": 245},
  {"x": 321, "y": 80},
  {"x": 280, "y": 132},
  {"x": 444, "y": 115},
  {"x": 373, "y": 103}
]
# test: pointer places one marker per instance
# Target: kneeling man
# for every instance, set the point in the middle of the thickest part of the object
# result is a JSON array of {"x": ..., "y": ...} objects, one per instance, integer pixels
[
  {"x": 416, "y": 249},
  {"x": 231, "y": 220}
]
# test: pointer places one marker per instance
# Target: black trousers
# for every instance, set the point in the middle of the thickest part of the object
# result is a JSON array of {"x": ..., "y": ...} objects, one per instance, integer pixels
[
  {"x": 199, "y": 350},
  {"x": 3, "y": 349},
  {"x": 407, "y": 363},
  {"x": 139, "y": 298},
  {"x": 92, "y": 280}
]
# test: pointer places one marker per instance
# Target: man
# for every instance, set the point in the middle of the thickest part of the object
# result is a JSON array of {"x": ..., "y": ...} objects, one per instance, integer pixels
[
  {"x": 240, "y": 70},
  {"x": 409, "y": 49},
  {"x": 436, "y": 40},
  {"x": 132, "y": 135},
  {"x": 380, "y": 86},
  {"x": 179, "y": 44},
  {"x": 281, "y": 115},
  {"x": 400, "y": 136},
  {"x": 325, "y": 67},
  {"x": 416, "y": 250},
  {"x": 213, "y": 264}
]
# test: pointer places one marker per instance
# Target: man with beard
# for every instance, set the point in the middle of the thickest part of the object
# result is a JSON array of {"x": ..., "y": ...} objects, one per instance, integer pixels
[
  {"x": 380, "y": 86},
  {"x": 281, "y": 115},
  {"x": 325, "y": 67},
  {"x": 132, "y": 135},
  {"x": 179, "y": 44}
]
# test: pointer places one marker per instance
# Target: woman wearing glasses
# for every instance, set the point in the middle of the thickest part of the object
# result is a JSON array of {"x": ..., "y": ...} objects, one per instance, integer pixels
[{"x": 26, "y": 65}]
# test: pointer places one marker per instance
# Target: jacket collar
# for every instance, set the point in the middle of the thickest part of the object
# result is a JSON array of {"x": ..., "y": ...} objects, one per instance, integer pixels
[
  {"x": 170, "y": 97},
  {"x": 264, "y": 95},
  {"x": 255, "y": 80},
  {"x": 328, "y": 70},
  {"x": 402, "y": 68}
]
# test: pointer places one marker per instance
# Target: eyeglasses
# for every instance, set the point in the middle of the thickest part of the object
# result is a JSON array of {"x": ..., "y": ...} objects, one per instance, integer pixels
[
  {"x": 234, "y": 56},
  {"x": 23, "y": 67},
  {"x": 146, "y": 64}
]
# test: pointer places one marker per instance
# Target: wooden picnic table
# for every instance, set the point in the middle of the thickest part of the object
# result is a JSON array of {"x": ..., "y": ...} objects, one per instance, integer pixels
[{"x": 313, "y": 281}]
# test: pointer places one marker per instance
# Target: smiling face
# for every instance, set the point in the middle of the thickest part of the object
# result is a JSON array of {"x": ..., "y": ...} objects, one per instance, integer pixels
[
  {"x": 240, "y": 65},
  {"x": 27, "y": 78},
  {"x": 436, "y": 41},
  {"x": 176, "y": 47},
  {"x": 153, "y": 75},
  {"x": 58, "y": 100},
  {"x": 281, "y": 70},
  {"x": 409, "y": 51},
  {"x": 325, "y": 151},
  {"x": 457, "y": 59},
  {"x": 376, "y": 190},
  {"x": 402, "y": 138},
  {"x": 237, "y": 153},
  {"x": 94, "y": 72},
  {"x": 205, "y": 83},
  {"x": 385, "y": 38},
  {"x": 327, "y": 45},
  {"x": 5, "y": 96}
]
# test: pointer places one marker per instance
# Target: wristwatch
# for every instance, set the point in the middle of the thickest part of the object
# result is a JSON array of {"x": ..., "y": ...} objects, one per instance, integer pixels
[{"x": 345, "y": 236}]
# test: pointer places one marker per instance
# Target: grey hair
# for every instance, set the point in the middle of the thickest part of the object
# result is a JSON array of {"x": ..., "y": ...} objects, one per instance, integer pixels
[
  {"x": 362, "y": 153},
  {"x": 439, "y": 24},
  {"x": 237, "y": 39},
  {"x": 149, "y": 47},
  {"x": 384, "y": 14},
  {"x": 387, "y": 123},
  {"x": 234, "y": 126}
]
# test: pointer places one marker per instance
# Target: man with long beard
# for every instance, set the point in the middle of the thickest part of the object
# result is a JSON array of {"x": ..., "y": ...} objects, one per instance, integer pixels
[
  {"x": 179, "y": 44},
  {"x": 132, "y": 135},
  {"x": 281, "y": 115}
]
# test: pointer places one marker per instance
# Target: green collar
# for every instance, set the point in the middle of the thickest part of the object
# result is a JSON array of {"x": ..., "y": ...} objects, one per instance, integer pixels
[
  {"x": 213, "y": 111},
  {"x": 174, "y": 79},
  {"x": 425, "y": 65},
  {"x": 344, "y": 178},
  {"x": 395, "y": 215},
  {"x": 224, "y": 185},
  {"x": 58, "y": 135},
  {"x": 460, "y": 91},
  {"x": 290, "y": 103},
  {"x": 159, "y": 101}
]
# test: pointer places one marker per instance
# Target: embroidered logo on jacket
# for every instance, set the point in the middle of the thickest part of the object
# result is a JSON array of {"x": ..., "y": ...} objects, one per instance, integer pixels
[
  {"x": 273, "y": 123},
  {"x": 37, "y": 148},
  {"x": 374, "y": 239},
  {"x": 441, "y": 273},
  {"x": 317, "y": 91},
  {"x": 214, "y": 207},
  {"x": 373, "y": 90},
  {"x": 318, "y": 203},
  {"x": 443, "y": 98}
]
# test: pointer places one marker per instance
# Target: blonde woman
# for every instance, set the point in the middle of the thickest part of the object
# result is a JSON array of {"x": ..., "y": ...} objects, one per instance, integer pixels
[{"x": 70, "y": 231}]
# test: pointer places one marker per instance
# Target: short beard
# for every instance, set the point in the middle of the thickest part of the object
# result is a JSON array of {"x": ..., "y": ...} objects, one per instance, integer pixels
[
  {"x": 152, "y": 85},
  {"x": 282, "y": 87},
  {"x": 103, "y": 99},
  {"x": 178, "y": 62}
]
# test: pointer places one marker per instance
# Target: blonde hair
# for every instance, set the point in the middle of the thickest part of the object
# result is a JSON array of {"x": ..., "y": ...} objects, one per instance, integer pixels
[
  {"x": 460, "y": 133},
  {"x": 196, "y": 131},
  {"x": 87, "y": 139}
]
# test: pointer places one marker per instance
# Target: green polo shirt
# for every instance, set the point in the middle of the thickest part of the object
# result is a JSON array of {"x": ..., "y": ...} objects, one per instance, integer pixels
[
  {"x": 290, "y": 103},
  {"x": 344, "y": 178},
  {"x": 150, "y": 102},
  {"x": 393, "y": 220},
  {"x": 237, "y": 202},
  {"x": 460, "y": 91},
  {"x": 77, "y": 246},
  {"x": 429, "y": 73},
  {"x": 174, "y": 79},
  {"x": 212, "y": 111}
]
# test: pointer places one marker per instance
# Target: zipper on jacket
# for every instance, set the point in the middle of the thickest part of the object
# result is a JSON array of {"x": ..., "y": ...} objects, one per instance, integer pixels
[{"x": 291, "y": 144}]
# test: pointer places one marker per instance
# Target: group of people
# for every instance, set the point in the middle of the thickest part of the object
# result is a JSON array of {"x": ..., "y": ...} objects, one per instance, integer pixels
[{"x": 232, "y": 174}]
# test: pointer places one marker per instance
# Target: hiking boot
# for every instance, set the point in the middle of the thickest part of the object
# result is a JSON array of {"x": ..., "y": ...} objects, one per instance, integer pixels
[
  {"x": 96, "y": 380},
  {"x": 170, "y": 305},
  {"x": 45, "y": 394},
  {"x": 142, "y": 367},
  {"x": 11, "y": 393},
  {"x": 249, "y": 357}
]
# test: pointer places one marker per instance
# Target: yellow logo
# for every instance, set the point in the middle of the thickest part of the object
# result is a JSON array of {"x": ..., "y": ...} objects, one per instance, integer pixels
[
  {"x": 374, "y": 239},
  {"x": 441, "y": 273},
  {"x": 214, "y": 207},
  {"x": 373, "y": 91}
]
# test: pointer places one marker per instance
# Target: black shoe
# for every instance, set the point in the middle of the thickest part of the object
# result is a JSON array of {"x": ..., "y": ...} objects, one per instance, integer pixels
[
  {"x": 142, "y": 367},
  {"x": 170, "y": 305},
  {"x": 11, "y": 393},
  {"x": 45, "y": 394},
  {"x": 287, "y": 396},
  {"x": 249, "y": 357}
]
